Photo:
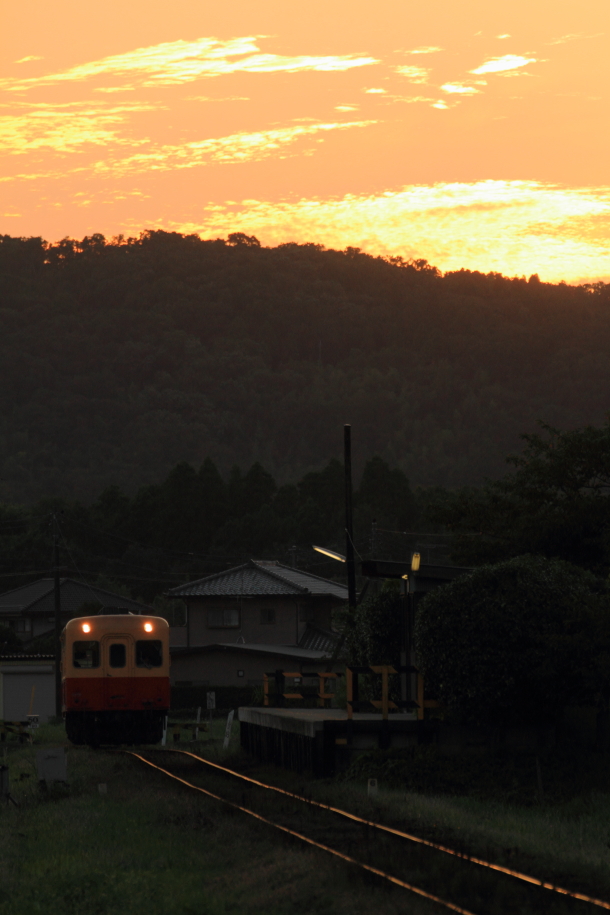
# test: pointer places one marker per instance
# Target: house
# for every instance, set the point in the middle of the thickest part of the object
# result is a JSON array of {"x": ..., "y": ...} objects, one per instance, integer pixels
[
  {"x": 30, "y": 609},
  {"x": 251, "y": 619}
]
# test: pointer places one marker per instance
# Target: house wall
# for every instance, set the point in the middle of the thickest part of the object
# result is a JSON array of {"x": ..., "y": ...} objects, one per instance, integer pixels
[
  {"x": 291, "y": 617},
  {"x": 317, "y": 611},
  {"x": 178, "y": 637},
  {"x": 220, "y": 668}
]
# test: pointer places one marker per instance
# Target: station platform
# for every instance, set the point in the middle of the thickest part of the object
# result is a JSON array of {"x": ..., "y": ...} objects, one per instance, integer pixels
[{"x": 322, "y": 741}]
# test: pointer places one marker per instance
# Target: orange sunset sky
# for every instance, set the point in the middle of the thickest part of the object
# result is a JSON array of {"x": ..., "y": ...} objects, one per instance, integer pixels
[{"x": 473, "y": 134}]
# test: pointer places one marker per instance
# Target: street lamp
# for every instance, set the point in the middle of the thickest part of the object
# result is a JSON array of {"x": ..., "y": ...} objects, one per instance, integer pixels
[{"x": 331, "y": 553}]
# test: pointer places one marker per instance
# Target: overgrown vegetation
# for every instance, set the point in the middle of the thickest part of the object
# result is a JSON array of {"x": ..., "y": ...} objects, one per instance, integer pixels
[
  {"x": 523, "y": 779},
  {"x": 146, "y": 845}
]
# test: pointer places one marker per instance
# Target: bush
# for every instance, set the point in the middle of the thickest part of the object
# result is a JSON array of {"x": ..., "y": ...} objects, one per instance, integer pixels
[
  {"x": 373, "y": 634},
  {"x": 515, "y": 641},
  {"x": 373, "y": 637}
]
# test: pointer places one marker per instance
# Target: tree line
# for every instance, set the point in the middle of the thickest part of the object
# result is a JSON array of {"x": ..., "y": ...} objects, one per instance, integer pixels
[
  {"x": 196, "y": 522},
  {"x": 121, "y": 358}
]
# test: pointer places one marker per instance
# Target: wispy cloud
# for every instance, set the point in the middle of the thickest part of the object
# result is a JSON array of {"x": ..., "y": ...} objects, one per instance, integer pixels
[
  {"x": 515, "y": 227},
  {"x": 410, "y": 99},
  {"x": 233, "y": 149},
  {"x": 184, "y": 61},
  {"x": 65, "y": 128},
  {"x": 414, "y": 74},
  {"x": 427, "y": 49},
  {"x": 25, "y": 60},
  {"x": 459, "y": 89},
  {"x": 501, "y": 64},
  {"x": 574, "y": 36}
]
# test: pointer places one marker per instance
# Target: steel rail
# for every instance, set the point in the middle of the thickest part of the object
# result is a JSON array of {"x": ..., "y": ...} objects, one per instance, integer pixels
[
  {"x": 297, "y": 835},
  {"x": 518, "y": 875}
]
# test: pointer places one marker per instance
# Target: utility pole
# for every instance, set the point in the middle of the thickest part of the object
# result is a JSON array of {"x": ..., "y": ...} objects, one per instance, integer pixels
[
  {"x": 57, "y": 602},
  {"x": 349, "y": 527}
]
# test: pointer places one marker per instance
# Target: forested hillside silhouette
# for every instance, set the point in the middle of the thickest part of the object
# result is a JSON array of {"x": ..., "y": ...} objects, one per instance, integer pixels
[{"x": 122, "y": 358}]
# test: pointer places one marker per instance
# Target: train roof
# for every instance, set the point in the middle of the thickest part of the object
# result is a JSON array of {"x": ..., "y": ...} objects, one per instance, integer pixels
[{"x": 115, "y": 622}]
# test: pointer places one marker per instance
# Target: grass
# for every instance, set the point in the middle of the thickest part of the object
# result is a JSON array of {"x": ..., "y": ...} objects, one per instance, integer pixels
[
  {"x": 566, "y": 840},
  {"x": 147, "y": 846}
]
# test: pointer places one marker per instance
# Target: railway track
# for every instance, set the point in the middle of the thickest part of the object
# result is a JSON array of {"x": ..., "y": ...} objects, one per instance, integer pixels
[{"x": 449, "y": 879}]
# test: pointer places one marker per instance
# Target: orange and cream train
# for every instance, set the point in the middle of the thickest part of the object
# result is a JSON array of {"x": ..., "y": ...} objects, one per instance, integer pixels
[{"x": 115, "y": 678}]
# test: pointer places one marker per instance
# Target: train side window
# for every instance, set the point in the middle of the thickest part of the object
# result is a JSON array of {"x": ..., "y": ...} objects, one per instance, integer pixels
[
  {"x": 117, "y": 656},
  {"x": 149, "y": 653},
  {"x": 86, "y": 654}
]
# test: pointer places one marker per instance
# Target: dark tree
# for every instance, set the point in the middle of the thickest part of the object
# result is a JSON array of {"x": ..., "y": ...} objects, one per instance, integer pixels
[{"x": 556, "y": 503}]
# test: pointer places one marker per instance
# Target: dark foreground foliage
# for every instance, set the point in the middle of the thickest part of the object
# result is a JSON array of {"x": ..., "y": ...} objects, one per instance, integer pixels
[{"x": 523, "y": 778}]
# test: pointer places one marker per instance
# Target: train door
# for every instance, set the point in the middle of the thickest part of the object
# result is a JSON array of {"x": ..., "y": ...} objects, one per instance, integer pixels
[{"x": 118, "y": 655}]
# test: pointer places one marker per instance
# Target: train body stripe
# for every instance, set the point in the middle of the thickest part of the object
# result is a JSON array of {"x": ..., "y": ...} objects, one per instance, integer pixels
[{"x": 94, "y": 694}]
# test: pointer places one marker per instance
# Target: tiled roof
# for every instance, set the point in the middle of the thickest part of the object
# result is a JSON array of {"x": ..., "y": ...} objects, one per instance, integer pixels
[
  {"x": 286, "y": 651},
  {"x": 37, "y": 599},
  {"x": 258, "y": 578},
  {"x": 318, "y": 639}
]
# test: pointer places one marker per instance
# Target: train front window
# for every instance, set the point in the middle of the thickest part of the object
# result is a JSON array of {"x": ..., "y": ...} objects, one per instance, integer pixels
[
  {"x": 149, "y": 653},
  {"x": 86, "y": 654},
  {"x": 117, "y": 656}
]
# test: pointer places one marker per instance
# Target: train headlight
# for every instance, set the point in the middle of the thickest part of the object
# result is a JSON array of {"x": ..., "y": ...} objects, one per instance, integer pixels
[
  {"x": 148, "y": 627},
  {"x": 86, "y": 627}
]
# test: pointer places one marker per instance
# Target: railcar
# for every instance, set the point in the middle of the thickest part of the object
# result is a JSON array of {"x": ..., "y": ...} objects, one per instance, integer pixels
[{"x": 115, "y": 679}]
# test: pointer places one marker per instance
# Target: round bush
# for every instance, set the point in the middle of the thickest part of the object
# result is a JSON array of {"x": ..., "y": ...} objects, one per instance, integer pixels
[{"x": 514, "y": 642}]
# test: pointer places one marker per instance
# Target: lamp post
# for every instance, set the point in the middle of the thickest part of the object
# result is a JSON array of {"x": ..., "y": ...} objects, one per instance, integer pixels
[
  {"x": 406, "y": 648},
  {"x": 349, "y": 527}
]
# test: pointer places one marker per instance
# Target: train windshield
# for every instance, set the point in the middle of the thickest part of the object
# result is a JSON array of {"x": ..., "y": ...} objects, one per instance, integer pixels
[
  {"x": 117, "y": 656},
  {"x": 149, "y": 653},
  {"x": 86, "y": 654}
]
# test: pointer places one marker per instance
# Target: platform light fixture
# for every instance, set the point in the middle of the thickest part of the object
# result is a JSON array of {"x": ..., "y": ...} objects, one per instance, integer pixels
[
  {"x": 415, "y": 562},
  {"x": 331, "y": 553}
]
